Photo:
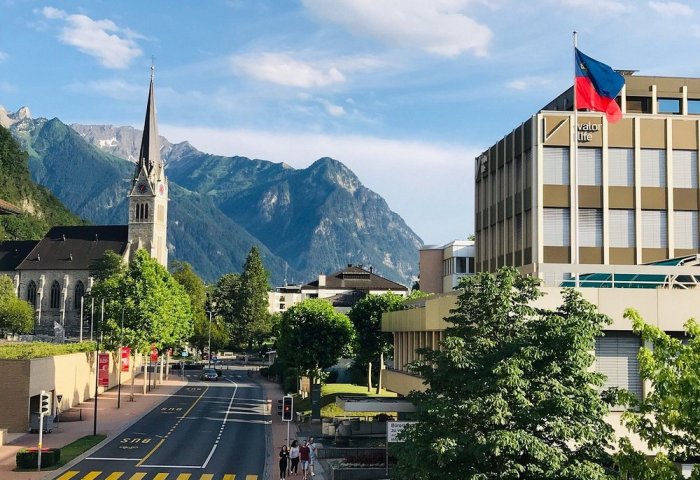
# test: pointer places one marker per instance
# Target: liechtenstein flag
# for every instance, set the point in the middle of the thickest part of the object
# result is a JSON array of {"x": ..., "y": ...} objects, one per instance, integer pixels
[{"x": 597, "y": 85}]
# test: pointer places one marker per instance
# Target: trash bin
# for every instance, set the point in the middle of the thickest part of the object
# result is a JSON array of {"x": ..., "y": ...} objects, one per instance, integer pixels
[{"x": 34, "y": 423}]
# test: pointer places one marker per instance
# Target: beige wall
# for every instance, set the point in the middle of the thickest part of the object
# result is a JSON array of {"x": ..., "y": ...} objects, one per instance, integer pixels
[{"x": 430, "y": 265}]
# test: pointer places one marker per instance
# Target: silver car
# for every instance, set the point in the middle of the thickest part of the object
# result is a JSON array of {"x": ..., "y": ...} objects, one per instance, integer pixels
[{"x": 209, "y": 374}]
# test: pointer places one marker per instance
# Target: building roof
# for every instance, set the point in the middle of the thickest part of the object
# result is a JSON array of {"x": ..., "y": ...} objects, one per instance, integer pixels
[
  {"x": 75, "y": 248},
  {"x": 355, "y": 278},
  {"x": 346, "y": 299},
  {"x": 12, "y": 252},
  {"x": 149, "y": 155},
  {"x": 6, "y": 208}
]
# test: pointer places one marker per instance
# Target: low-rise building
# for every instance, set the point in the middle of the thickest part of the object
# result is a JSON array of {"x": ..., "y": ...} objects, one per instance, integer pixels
[{"x": 441, "y": 266}]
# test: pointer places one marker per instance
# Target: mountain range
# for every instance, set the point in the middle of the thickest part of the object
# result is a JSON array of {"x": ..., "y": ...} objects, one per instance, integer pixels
[{"x": 306, "y": 221}]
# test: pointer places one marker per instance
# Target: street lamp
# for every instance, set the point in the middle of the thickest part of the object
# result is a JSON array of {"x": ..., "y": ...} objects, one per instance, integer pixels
[{"x": 209, "y": 347}]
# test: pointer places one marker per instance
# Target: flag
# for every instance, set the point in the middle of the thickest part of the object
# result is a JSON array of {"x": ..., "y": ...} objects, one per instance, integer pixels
[{"x": 596, "y": 87}]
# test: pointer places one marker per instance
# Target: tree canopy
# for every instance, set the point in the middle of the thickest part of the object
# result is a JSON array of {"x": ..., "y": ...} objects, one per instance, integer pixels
[
  {"x": 313, "y": 336},
  {"x": 253, "y": 320},
  {"x": 510, "y": 394},
  {"x": 16, "y": 315},
  {"x": 155, "y": 308}
]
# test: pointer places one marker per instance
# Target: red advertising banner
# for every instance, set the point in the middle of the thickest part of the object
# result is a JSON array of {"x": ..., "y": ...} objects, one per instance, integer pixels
[
  {"x": 103, "y": 369},
  {"x": 126, "y": 354},
  {"x": 154, "y": 355}
]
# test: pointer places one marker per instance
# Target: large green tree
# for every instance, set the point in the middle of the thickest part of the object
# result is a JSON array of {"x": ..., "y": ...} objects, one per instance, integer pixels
[
  {"x": 313, "y": 336},
  {"x": 511, "y": 393},
  {"x": 371, "y": 345},
  {"x": 252, "y": 322},
  {"x": 154, "y": 307},
  {"x": 668, "y": 417},
  {"x": 16, "y": 315}
]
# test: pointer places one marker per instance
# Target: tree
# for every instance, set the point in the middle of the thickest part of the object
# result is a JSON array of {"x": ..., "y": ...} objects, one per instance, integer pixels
[
  {"x": 313, "y": 336},
  {"x": 250, "y": 303},
  {"x": 16, "y": 315},
  {"x": 668, "y": 417},
  {"x": 371, "y": 345},
  {"x": 106, "y": 266},
  {"x": 222, "y": 300},
  {"x": 510, "y": 394}
]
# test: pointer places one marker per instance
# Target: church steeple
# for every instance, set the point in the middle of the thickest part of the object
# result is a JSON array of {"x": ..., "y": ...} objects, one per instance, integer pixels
[{"x": 148, "y": 198}]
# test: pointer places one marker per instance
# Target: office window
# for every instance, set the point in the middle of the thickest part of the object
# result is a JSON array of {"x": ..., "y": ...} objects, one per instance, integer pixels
[
  {"x": 653, "y": 166},
  {"x": 471, "y": 265},
  {"x": 685, "y": 228},
  {"x": 654, "y": 229},
  {"x": 693, "y": 106},
  {"x": 685, "y": 169},
  {"x": 589, "y": 166},
  {"x": 501, "y": 239},
  {"x": 556, "y": 166},
  {"x": 622, "y": 228},
  {"x": 638, "y": 104},
  {"x": 556, "y": 226},
  {"x": 461, "y": 264},
  {"x": 616, "y": 358},
  {"x": 621, "y": 167},
  {"x": 669, "y": 105},
  {"x": 518, "y": 173},
  {"x": 528, "y": 169},
  {"x": 509, "y": 179},
  {"x": 590, "y": 227},
  {"x": 493, "y": 183},
  {"x": 518, "y": 233}
]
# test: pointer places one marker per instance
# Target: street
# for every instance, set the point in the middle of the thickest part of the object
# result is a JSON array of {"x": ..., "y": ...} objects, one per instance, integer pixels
[{"x": 206, "y": 431}]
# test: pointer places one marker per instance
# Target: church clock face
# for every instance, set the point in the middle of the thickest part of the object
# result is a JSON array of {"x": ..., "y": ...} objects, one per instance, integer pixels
[
  {"x": 141, "y": 187},
  {"x": 161, "y": 189}
]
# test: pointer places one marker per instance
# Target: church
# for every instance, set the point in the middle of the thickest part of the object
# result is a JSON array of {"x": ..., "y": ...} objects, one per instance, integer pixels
[{"x": 53, "y": 274}]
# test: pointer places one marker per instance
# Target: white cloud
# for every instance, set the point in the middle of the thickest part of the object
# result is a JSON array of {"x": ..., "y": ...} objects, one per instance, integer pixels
[
  {"x": 671, "y": 8},
  {"x": 3, "y": 56},
  {"x": 610, "y": 6},
  {"x": 117, "y": 89},
  {"x": 333, "y": 109},
  {"x": 282, "y": 69},
  {"x": 430, "y": 186},
  {"x": 439, "y": 27},
  {"x": 113, "y": 46},
  {"x": 525, "y": 83}
]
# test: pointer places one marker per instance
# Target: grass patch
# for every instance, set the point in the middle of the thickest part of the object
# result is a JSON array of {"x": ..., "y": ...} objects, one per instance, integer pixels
[
  {"x": 23, "y": 351},
  {"x": 330, "y": 391},
  {"x": 71, "y": 451}
]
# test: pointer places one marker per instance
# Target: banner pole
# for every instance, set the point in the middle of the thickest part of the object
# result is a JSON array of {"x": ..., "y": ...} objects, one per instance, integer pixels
[{"x": 575, "y": 213}]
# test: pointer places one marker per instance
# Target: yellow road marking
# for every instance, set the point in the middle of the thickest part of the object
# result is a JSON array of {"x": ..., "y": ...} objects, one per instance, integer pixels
[
  {"x": 229, "y": 476},
  {"x": 206, "y": 476},
  {"x": 162, "y": 440},
  {"x": 92, "y": 475},
  {"x": 114, "y": 476},
  {"x": 161, "y": 476},
  {"x": 184, "y": 476},
  {"x": 251, "y": 477},
  {"x": 137, "y": 476},
  {"x": 68, "y": 475}
]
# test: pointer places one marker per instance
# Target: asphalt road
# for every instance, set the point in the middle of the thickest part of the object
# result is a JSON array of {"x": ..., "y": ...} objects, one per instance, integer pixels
[{"x": 205, "y": 431}]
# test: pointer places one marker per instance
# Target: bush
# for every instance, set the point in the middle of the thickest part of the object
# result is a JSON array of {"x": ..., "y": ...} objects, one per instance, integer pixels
[
  {"x": 28, "y": 457},
  {"x": 20, "y": 351}
]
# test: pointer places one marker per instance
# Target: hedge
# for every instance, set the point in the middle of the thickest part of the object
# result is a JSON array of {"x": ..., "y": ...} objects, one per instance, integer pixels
[
  {"x": 27, "y": 457},
  {"x": 23, "y": 351}
]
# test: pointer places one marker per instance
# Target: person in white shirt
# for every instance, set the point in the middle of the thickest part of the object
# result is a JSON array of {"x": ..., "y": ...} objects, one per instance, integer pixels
[
  {"x": 313, "y": 446},
  {"x": 294, "y": 456}
]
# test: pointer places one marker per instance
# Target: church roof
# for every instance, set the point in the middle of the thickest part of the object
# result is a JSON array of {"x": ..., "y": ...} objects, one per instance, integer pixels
[
  {"x": 12, "y": 252},
  {"x": 356, "y": 278},
  {"x": 75, "y": 248},
  {"x": 149, "y": 155}
]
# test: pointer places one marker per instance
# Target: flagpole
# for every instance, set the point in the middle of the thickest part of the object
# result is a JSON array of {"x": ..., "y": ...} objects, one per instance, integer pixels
[{"x": 574, "y": 210}]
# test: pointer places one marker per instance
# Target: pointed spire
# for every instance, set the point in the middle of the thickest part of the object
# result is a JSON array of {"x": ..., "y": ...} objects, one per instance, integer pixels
[{"x": 149, "y": 156}]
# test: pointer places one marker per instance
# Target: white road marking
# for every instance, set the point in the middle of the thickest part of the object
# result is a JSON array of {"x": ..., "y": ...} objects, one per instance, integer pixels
[{"x": 223, "y": 424}]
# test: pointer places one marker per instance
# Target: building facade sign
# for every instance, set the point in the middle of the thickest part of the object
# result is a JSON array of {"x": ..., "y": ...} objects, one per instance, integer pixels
[
  {"x": 585, "y": 131},
  {"x": 103, "y": 369},
  {"x": 393, "y": 429}
]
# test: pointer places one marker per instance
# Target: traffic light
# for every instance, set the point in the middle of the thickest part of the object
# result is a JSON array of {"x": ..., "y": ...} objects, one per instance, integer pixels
[
  {"x": 287, "y": 402},
  {"x": 45, "y": 403}
]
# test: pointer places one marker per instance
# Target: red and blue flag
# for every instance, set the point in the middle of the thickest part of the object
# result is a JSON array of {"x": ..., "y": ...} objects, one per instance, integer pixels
[{"x": 596, "y": 87}]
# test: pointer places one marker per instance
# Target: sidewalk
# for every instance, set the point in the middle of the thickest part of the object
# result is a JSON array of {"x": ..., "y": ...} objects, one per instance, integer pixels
[
  {"x": 110, "y": 421},
  {"x": 273, "y": 392}
]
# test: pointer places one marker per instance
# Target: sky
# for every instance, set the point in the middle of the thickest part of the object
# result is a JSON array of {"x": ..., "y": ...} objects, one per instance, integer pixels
[{"x": 406, "y": 93}]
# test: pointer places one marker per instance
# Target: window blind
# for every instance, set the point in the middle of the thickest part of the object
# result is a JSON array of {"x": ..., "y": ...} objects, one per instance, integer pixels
[
  {"x": 556, "y": 166},
  {"x": 685, "y": 228},
  {"x": 590, "y": 229},
  {"x": 589, "y": 166},
  {"x": 621, "y": 167},
  {"x": 685, "y": 169},
  {"x": 556, "y": 227},
  {"x": 622, "y": 228},
  {"x": 653, "y": 167},
  {"x": 616, "y": 358},
  {"x": 654, "y": 229}
]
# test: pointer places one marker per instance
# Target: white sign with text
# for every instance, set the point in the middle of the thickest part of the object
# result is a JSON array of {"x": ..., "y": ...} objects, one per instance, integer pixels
[{"x": 393, "y": 429}]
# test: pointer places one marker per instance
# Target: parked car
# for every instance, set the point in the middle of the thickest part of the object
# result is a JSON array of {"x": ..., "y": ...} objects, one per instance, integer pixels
[{"x": 209, "y": 374}]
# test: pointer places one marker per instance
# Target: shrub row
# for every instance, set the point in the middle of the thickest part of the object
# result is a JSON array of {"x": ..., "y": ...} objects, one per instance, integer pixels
[
  {"x": 22, "y": 351},
  {"x": 28, "y": 457}
]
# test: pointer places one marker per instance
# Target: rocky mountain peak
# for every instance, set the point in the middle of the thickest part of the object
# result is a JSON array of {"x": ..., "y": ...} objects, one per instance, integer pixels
[
  {"x": 8, "y": 119},
  {"x": 336, "y": 172}
]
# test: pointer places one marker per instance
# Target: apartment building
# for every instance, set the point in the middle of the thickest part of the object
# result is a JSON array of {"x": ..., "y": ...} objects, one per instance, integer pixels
[{"x": 441, "y": 266}]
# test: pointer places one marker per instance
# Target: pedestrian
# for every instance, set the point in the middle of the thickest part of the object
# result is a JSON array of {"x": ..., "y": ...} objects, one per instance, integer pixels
[
  {"x": 313, "y": 447},
  {"x": 284, "y": 458},
  {"x": 304, "y": 456},
  {"x": 294, "y": 457}
]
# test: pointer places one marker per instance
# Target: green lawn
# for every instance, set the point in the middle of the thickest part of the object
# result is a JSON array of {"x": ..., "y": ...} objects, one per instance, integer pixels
[
  {"x": 72, "y": 450},
  {"x": 328, "y": 394}
]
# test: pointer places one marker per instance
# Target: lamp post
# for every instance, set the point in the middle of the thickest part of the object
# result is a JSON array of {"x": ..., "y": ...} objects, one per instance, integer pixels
[
  {"x": 209, "y": 347},
  {"x": 121, "y": 346},
  {"x": 97, "y": 370}
]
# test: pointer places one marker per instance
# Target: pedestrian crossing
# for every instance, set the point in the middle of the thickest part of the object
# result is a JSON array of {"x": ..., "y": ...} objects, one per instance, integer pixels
[{"x": 99, "y": 475}]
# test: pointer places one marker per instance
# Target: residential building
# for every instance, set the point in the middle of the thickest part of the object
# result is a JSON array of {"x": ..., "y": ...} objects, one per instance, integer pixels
[
  {"x": 441, "y": 266},
  {"x": 283, "y": 298}
]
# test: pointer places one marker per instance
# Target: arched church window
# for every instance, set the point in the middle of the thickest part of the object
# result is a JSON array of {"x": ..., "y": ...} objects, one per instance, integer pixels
[
  {"x": 55, "y": 298},
  {"x": 31, "y": 293},
  {"x": 145, "y": 217},
  {"x": 136, "y": 212},
  {"x": 79, "y": 293}
]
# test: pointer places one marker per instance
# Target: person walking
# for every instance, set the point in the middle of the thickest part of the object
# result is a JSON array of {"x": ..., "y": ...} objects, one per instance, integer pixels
[
  {"x": 313, "y": 447},
  {"x": 294, "y": 457},
  {"x": 284, "y": 459},
  {"x": 304, "y": 456}
]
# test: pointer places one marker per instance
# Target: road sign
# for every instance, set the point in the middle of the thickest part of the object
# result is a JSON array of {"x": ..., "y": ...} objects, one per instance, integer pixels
[
  {"x": 154, "y": 355},
  {"x": 103, "y": 370},
  {"x": 184, "y": 354},
  {"x": 393, "y": 429}
]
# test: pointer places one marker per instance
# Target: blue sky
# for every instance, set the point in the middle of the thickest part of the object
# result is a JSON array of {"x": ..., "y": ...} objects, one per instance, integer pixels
[{"x": 404, "y": 92}]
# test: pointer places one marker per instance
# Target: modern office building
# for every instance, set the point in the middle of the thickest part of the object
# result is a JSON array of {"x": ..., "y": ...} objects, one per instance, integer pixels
[
  {"x": 441, "y": 266},
  {"x": 637, "y": 194}
]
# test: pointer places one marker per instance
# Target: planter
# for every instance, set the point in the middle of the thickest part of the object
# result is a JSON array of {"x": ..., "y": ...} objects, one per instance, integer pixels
[
  {"x": 358, "y": 473},
  {"x": 27, "y": 458}
]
